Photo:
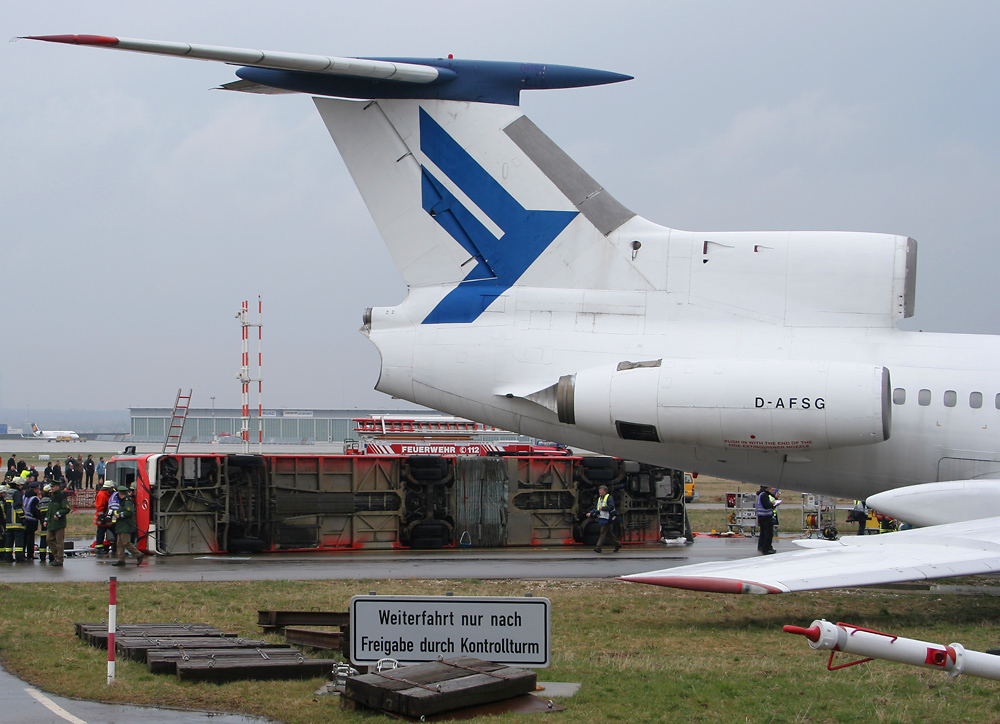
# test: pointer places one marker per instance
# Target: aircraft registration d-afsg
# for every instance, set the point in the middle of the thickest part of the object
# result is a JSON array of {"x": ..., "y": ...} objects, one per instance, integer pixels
[{"x": 539, "y": 303}]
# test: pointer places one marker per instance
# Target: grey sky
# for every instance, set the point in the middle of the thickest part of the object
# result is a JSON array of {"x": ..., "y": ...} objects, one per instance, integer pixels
[{"x": 138, "y": 209}]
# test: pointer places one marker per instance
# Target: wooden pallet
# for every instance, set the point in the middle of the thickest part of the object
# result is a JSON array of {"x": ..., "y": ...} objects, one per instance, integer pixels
[
  {"x": 333, "y": 640},
  {"x": 96, "y": 634},
  {"x": 247, "y": 667},
  {"x": 199, "y": 652},
  {"x": 439, "y": 686},
  {"x": 135, "y": 649},
  {"x": 165, "y": 661}
]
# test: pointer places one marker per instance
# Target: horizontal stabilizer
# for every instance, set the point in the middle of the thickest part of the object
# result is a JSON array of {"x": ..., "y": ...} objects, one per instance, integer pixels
[{"x": 483, "y": 81}]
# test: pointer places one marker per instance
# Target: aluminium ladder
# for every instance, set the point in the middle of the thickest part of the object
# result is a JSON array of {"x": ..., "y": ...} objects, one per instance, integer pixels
[{"x": 181, "y": 406}]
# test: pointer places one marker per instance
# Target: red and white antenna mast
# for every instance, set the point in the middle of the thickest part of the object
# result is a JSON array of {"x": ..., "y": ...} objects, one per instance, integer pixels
[{"x": 245, "y": 377}]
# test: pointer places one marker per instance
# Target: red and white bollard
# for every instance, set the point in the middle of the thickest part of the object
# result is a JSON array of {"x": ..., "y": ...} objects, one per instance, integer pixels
[
  {"x": 112, "y": 625},
  {"x": 953, "y": 659}
]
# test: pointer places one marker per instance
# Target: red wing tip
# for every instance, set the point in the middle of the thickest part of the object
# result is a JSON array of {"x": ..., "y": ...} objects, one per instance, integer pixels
[
  {"x": 697, "y": 583},
  {"x": 75, "y": 39}
]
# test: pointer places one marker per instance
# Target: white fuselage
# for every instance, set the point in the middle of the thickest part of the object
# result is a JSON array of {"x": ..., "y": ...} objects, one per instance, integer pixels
[
  {"x": 56, "y": 435},
  {"x": 945, "y": 387}
]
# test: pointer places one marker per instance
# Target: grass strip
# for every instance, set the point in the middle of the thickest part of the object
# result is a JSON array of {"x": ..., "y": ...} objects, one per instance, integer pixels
[{"x": 643, "y": 654}]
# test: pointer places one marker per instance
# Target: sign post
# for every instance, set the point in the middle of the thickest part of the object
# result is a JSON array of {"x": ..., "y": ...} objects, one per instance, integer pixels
[
  {"x": 412, "y": 629},
  {"x": 112, "y": 625}
]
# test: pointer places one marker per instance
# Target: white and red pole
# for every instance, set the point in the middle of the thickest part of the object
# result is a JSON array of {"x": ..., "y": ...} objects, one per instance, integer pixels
[
  {"x": 953, "y": 659},
  {"x": 245, "y": 377},
  {"x": 260, "y": 376},
  {"x": 112, "y": 625}
]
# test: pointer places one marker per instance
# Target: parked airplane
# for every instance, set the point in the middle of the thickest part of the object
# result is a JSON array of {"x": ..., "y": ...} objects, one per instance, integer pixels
[
  {"x": 53, "y": 434},
  {"x": 539, "y": 303}
]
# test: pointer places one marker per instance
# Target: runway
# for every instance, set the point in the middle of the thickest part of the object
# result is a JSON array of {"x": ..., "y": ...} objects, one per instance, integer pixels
[{"x": 537, "y": 563}]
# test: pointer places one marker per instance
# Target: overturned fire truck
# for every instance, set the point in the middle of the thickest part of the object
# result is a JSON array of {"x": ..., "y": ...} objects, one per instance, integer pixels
[{"x": 218, "y": 502}]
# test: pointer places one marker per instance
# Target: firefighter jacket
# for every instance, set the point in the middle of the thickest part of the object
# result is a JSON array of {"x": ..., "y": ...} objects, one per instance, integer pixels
[
  {"x": 126, "y": 517},
  {"x": 101, "y": 511},
  {"x": 13, "y": 508},
  {"x": 59, "y": 508}
]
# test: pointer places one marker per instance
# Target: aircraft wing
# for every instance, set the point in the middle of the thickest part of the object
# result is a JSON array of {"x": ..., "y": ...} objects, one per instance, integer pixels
[{"x": 956, "y": 549}]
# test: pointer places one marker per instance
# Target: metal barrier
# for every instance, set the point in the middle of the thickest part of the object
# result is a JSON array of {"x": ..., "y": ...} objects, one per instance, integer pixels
[{"x": 81, "y": 498}]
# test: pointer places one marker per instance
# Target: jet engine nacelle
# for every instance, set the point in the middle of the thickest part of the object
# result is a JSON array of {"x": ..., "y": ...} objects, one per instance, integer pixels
[{"x": 744, "y": 405}]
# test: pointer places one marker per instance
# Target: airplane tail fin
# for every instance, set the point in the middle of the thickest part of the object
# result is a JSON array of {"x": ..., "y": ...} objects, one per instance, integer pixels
[
  {"x": 472, "y": 194},
  {"x": 34, "y": 430}
]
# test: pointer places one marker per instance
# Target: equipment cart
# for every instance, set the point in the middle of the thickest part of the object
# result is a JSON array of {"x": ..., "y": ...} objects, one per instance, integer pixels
[
  {"x": 819, "y": 516},
  {"x": 741, "y": 513}
]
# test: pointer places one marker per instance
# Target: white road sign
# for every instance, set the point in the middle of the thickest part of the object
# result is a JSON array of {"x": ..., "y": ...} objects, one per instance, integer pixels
[{"x": 411, "y": 629}]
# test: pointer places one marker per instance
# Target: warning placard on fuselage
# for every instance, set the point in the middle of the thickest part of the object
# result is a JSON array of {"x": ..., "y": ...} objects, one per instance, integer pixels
[{"x": 411, "y": 629}]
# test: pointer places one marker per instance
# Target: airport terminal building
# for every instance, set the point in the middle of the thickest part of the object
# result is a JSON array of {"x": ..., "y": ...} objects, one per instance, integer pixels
[{"x": 282, "y": 426}]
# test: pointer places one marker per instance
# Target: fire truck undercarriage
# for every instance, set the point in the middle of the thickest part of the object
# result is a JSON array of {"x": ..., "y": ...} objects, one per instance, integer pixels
[{"x": 232, "y": 503}]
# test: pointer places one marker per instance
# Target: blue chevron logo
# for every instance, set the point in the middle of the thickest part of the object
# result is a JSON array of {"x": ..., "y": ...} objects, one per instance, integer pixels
[{"x": 499, "y": 262}]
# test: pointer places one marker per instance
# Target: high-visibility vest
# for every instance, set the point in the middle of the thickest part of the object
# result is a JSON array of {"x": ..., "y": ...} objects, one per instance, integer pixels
[
  {"x": 763, "y": 512},
  {"x": 28, "y": 515}
]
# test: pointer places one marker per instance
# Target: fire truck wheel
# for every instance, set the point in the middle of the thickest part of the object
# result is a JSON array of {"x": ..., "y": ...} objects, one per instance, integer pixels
[{"x": 430, "y": 528}]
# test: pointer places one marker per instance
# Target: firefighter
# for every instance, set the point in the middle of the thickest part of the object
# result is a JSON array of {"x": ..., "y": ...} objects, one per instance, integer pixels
[
  {"x": 767, "y": 506},
  {"x": 125, "y": 526},
  {"x": 102, "y": 519},
  {"x": 13, "y": 508},
  {"x": 31, "y": 515},
  {"x": 5, "y": 552},
  {"x": 59, "y": 508},
  {"x": 605, "y": 512},
  {"x": 43, "y": 522},
  {"x": 859, "y": 515}
]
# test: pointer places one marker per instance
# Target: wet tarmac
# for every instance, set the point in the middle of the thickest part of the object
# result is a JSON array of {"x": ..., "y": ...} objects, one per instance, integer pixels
[
  {"x": 24, "y": 704},
  {"x": 537, "y": 563}
]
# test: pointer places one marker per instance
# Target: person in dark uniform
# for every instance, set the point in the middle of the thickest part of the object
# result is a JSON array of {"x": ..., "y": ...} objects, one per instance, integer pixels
[
  {"x": 43, "y": 522},
  {"x": 125, "y": 527},
  {"x": 89, "y": 466},
  {"x": 767, "y": 505},
  {"x": 13, "y": 507},
  {"x": 32, "y": 513},
  {"x": 59, "y": 508}
]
